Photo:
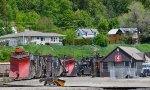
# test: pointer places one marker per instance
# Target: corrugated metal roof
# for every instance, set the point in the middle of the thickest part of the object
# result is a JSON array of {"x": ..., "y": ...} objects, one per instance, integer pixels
[{"x": 30, "y": 33}]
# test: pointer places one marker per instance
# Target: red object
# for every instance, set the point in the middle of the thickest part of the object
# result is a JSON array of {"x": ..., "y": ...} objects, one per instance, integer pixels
[
  {"x": 19, "y": 66},
  {"x": 18, "y": 50},
  {"x": 69, "y": 66},
  {"x": 118, "y": 58}
]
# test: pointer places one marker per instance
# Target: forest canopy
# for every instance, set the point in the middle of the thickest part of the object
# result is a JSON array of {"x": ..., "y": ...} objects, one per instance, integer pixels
[{"x": 61, "y": 15}]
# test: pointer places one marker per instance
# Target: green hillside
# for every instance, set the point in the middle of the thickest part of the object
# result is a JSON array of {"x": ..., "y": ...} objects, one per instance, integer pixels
[
  {"x": 75, "y": 51},
  {"x": 61, "y": 15}
]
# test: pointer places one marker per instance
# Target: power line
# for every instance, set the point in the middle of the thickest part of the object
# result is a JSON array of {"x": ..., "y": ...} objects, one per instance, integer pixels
[
  {"x": 75, "y": 20},
  {"x": 90, "y": 20},
  {"x": 15, "y": 22}
]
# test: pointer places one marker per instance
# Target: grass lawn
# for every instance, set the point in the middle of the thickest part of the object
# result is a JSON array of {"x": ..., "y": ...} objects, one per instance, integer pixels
[{"x": 74, "y": 51}]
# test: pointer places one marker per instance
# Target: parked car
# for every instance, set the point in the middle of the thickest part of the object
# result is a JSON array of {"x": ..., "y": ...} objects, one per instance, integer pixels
[{"x": 145, "y": 70}]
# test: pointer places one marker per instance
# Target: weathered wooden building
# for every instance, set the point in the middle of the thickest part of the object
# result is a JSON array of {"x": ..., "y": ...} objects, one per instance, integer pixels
[
  {"x": 123, "y": 61},
  {"x": 115, "y": 35}
]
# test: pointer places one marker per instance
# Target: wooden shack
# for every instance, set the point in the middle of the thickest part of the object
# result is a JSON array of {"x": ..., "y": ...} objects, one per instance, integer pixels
[{"x": 123, "y": 62}]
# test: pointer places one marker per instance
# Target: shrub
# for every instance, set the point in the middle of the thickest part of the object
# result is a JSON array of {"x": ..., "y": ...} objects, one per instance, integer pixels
[
  {"x": 145, "y": 39},
  {"x": 47, "y": 43},
  {"x": 126, "y": 40},
  {"x": 76, "y": 42},
  {"x": 101, "y": 40}
]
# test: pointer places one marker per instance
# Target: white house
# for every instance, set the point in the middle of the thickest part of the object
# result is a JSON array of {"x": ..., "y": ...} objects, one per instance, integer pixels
[
  {"x": 34, "y": 37},
  {"x": 86, "y": 33}
]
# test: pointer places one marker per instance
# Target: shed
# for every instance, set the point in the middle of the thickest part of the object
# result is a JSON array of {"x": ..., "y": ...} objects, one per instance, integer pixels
[{"x": 124, "y": 61}]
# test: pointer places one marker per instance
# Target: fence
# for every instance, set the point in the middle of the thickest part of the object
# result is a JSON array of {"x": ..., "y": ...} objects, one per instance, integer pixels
[
  {"x": 4, "y": 69},
  {"x": 126, "y": 72}
]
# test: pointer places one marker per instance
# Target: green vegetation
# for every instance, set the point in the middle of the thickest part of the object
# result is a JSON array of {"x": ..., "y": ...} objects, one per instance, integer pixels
[
  {"x": 65, "y": 16},
  {"x": 62, "y": 15},
  {"x": 101, "y": 40},
  {"x": 74, "y": 51}
]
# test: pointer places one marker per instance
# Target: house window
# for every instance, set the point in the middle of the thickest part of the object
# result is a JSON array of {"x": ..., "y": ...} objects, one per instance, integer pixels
[
  {"x": 37, "y": 37},
  {"x": 86, "y": 33},
  {"x": 105, "y": 67},
  {"x": 51, "y": 38},
  {"x": 133, "y": 64},
  {"x": 94, "y": 33},
  {"x": 54, "y": 39},
  {"x": 42, "y": 39},
  {"x": 78, "y": 34},
  {"x": 114, "y": 64},
  {"x": 60, "y": 39},
  {"x": 126, "y": 64}
]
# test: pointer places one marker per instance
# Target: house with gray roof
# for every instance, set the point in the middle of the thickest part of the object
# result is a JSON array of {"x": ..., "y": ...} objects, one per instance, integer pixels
[
  {"x": 115, "y": 35},
  {"x": 86, "y": 33},
  {"x": 115, "y": 31},
  {"x": 33, "y": 37},
  {"x": 124, "y": 61}
]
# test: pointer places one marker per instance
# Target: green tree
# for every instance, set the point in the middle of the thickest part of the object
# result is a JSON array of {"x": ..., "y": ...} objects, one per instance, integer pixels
[
  {"x": 22, "y": 18},
  {"x": 67, "y": 20},
  {"x": 26, "y": 20},
  {"x": 12, "y": 9},
  {"x": 116, "y": 7},
  {"x": 96, "y": 8},
  {"x": 113, "y": 23},
  {"x": 83, "y": 19},
  {"x": 70, "y": 34},
  {"x": 46, "y": 24},
  {"x": 70, "y": 37},
  {"x": 27, "y": 5},
  {"x": 6, "y": 11},
  {"x": 5, "y": 30},
  {"x": 33, "y": 19},
  {"x": 64, "y": 5},
  {"x": 101, "y": 40},
  {"x": 82, "y": 4},
  {"x": 146, "y": 3},
  {"x": 103, "y": 25},
  {"x": 137, "y": 17}
]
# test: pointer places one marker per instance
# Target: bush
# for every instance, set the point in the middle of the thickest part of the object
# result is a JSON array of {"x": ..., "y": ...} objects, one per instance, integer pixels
[
  {"x": 101, "y": 40},
  {"x": 76, "y": 42},
  {"x": 145, "y": 39},
  {"x": 126, "y": 40},
  {"x": 47, "y": 43}
]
